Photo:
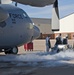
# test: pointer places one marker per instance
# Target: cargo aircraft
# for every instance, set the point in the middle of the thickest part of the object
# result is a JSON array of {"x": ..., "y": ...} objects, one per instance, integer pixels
[{"x": 16, "y": 27}]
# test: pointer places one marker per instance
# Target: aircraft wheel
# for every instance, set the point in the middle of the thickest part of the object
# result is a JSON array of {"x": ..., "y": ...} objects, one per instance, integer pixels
[
  {"x": 7, "y": 51},
  {"x": 14, "y": 50},
  {"x": 11, "y": 50}
]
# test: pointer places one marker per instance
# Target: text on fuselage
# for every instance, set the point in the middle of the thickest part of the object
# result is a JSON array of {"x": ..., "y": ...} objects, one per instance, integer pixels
[{"x": 16, "y": 16}]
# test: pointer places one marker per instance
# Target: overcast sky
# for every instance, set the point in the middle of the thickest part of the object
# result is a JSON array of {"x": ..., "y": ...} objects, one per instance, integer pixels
[{"x": 66, "y": 7}]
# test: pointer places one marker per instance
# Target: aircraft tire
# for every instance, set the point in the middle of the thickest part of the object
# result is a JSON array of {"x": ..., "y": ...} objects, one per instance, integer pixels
[
  {"x": 11, "y": 50},
  {"x": 14, "y": 50}
]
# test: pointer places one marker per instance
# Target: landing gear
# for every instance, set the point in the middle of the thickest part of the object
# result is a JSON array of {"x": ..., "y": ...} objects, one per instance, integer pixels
[
  {"x": 11, "y": 50},
  {"x": 14, "y": 50}
]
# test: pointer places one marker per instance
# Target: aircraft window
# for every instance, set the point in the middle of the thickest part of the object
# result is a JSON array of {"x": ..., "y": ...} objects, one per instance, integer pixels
[{"x": 25, "y": 15}]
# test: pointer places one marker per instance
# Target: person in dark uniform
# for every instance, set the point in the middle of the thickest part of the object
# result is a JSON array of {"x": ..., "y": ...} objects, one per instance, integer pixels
[
  {"x": 58, "y": 42},
  {"x": 65, "y": 40}
]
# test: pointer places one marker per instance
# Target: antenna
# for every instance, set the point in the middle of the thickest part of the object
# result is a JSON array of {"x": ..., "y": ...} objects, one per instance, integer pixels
[{"x": 15, "y": 3}]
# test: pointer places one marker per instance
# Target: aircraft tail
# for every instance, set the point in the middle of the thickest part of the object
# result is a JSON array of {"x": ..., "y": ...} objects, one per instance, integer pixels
[{"x": 55, "y": 17}]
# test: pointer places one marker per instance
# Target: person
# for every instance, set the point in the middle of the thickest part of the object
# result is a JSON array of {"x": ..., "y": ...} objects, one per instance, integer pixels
[
  {"x": 59, "y": 41},
  {"x": 65, "y": 41},
  {"x": 48, "y": 44}
]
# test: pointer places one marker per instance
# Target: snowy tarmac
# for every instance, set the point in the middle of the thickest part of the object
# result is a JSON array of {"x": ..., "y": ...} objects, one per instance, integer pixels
[{"x": 38, "y": 63}]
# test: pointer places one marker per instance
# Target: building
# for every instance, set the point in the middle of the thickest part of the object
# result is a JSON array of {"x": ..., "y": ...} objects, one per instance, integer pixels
[
  {"x": 44, "y": 25},
  {"x": 66, "y": 26}
]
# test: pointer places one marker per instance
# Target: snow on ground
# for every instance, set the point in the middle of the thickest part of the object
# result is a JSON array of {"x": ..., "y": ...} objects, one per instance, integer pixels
[{"x": 40, "y": 58}]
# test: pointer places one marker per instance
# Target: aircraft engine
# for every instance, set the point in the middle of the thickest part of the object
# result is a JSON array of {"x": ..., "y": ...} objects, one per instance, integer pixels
[
  {"x": 36, "y": 33},
  {"x": 3, "y": 15}
]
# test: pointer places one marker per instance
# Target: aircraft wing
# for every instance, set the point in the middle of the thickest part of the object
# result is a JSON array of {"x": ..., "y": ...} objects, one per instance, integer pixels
[{"x": 37, "y": 3}]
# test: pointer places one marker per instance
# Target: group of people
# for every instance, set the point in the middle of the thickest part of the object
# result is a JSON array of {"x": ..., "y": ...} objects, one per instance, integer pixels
[{"x": 59, "y": 41}]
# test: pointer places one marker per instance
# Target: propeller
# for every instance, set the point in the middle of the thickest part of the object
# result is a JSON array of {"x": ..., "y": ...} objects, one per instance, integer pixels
[{"x": 55, "y": 17}]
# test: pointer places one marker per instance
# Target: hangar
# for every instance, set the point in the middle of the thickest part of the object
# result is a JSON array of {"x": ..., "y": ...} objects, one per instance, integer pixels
[
  {"x": 44, "y": 25},
  {"x": 66, "y": 26}
]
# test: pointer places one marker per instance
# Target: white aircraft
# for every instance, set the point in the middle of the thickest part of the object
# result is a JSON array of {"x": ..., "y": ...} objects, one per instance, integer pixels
[
  {"x": 16, "y": 28},
  {"x": 42, "y": 3}
]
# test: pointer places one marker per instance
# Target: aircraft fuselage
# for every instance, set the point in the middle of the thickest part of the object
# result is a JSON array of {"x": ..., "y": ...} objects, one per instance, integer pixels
[{"x": 17, "y": 29}]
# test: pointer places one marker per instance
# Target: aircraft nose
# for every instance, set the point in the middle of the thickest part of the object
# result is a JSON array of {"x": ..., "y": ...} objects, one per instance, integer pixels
[{"x": 36, "y": 32}]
